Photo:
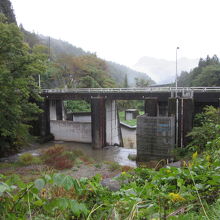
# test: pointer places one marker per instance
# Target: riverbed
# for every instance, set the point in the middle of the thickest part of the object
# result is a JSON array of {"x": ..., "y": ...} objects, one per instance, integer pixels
[{"x": 110, "y": 153}]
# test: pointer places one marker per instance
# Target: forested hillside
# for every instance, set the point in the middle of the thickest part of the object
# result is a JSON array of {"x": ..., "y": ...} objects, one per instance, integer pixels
[
  {"x": 206, "y": 74},
  {"x": 64, "y": 55},
  {"x": 120, "y": 72}
]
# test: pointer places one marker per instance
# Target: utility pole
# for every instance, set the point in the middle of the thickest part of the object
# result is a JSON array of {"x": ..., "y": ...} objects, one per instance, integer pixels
[
  {"x": 177, "y": 104},
  {"x": 49, "y": 54}
]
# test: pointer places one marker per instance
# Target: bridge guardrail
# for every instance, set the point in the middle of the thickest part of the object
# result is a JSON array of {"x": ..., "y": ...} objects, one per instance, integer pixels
[{"x": 134, "y": 90}]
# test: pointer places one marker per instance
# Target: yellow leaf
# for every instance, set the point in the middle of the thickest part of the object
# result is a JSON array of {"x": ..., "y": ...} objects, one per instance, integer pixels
[{"x": 195, "y": 155}]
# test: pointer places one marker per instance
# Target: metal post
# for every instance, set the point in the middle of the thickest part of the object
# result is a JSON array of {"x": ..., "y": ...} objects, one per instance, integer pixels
[
  {"x": 181, "y": 141},
  {"x": 176, "y": 69},
  {"x": 177, "y": 104}
]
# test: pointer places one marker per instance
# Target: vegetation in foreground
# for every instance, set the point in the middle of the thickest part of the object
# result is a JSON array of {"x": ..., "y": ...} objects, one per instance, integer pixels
[{"x": 189, "y": 192}]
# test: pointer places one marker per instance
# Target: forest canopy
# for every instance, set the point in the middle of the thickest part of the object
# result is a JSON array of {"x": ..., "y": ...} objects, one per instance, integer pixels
[{"x": 206, "y": 74}]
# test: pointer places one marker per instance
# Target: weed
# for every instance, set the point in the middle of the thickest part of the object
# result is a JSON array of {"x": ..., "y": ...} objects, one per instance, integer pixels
[
  {"x": 58, "y": 157},
  {"x": 98, "y": 165},
  {"x": 53, "y": 151},
  {"x": 62, "y": 162},
  {"x": 126, "y": 168},
  {"x": 113, "y": 166},
  {"x": 70, "y": 155},
  {"x": 78, "y": 152},
  {"x": 28, "y": 159}
]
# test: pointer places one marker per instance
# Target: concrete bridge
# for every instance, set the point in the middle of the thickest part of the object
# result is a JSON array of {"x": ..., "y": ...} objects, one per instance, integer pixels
[{"x": 181, "y": 103}]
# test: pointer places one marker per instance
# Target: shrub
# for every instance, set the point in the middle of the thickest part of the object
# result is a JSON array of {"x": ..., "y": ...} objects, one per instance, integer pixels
[
  {"x": 208, "y": 129},
  {"x": 52, "y": 151},
  {"x": 126, "y": 168},
  {"x": 62, "y": 162},
  {"x": 59, "y": 158},
  {"x": 28, "y": 159},
  {"x": 70, "y": 155}
]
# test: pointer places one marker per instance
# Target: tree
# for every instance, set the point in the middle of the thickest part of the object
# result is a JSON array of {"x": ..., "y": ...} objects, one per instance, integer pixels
[
  {"x": 206, "y": 74},
  {"x": 126, "y": 81},
  {"x": 19, "y": 65},
  {"x": 141, "y": 82},
  {"x": 6, "y": 9},
  {"x": 210, "y": 76}
]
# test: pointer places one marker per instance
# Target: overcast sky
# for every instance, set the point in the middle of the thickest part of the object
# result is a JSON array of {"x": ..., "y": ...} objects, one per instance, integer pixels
[{"x": 125, "y": 30}]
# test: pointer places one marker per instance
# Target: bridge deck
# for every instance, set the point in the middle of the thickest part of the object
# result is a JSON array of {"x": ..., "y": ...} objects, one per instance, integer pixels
[{"x": 201, "y": 94}]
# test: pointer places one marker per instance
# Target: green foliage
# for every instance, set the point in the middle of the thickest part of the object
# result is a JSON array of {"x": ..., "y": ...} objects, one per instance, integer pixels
[
  {"x": 206, "y": 74},
  {"x": 144, "y": 193},
  {"x": 87, "y": 71},
  {"x": 69, "y": 65},
  {"x": 207, "y": 128},
  {"x": 6, "y": 9},
  {"x": 129, "y": 104},
  {"x": 19, "y": 66},
  {"x": 113, "y": 166},
  {"x": 28, "y": 159},
  {"x": 126, "y": 81},
  {"x": 77, "y": 106},
  {"x": 119, "y": 72},
  {"x": 141, "y": 82}
]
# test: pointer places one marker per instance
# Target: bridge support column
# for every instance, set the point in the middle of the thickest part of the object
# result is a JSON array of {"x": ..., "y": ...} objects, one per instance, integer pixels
[
  {"x": 113, "y": 136},
  {"x": 45, "y": 118},
  {"x": 56, "y": 110},
  {"x": 151, "y": 106},
  {"x": 98, "y": 122},
  {"x": 185, "y": 118}
]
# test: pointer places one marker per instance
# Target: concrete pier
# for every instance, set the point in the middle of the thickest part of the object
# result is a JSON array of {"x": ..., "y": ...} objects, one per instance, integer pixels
[
  {"x": 45, "y": 118},
  {"x": 98, "y": 122},
  {"x": 112, "y": 123},
  {"x": 151, "y": 106}
]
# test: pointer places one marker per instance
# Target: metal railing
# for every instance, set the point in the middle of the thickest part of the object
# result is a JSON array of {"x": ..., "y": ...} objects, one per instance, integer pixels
[{"x": 133, "y": 90}]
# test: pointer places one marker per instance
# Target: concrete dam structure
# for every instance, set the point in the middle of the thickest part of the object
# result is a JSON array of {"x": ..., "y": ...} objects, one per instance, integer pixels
[{"x": 177, "y": 108}]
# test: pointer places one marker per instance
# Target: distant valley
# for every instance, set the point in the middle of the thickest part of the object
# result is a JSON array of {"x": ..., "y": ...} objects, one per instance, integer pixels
[{"x": 164, "y": 71}]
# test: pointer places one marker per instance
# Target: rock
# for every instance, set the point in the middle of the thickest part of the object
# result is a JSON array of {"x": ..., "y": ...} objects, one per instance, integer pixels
[
  {"x": 132, "y": 157},
  {"x": 177, "y": 164},
  {"x": 111, "y": 183}
]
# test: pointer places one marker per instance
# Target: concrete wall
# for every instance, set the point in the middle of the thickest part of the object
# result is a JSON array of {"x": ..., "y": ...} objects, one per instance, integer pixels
[
  {"x": 53, "y": 112},
  {"x": 128, "y": 135},
  {"x": 112, "y": 123},
  {"x": 131, "y": 114},
  {"x": 82, "y": 117},
  {"x": 71, "y": 131},
  {"x": 128, "y": 115},
  {"x": 57, "y": 111},
  {"x": 155, "y": 137}
]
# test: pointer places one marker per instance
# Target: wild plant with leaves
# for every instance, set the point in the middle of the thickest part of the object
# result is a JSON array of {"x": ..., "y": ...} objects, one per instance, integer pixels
[{"x": 206, "y": 128}]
